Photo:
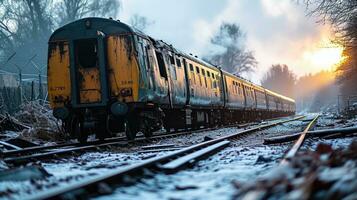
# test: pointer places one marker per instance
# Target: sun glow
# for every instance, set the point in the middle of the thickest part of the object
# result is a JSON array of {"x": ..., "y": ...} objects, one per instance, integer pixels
[{"x": 325, "y": 58}]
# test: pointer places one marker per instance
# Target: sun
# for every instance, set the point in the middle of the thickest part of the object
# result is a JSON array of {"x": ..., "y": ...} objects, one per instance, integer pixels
[{"x": 325, "y": 58}]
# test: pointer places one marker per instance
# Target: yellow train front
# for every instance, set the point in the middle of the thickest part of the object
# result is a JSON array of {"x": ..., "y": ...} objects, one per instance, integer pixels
[{"x": 94, "y": 80}]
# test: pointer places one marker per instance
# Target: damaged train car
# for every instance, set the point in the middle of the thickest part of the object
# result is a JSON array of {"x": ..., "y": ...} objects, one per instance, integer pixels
[{"x": 105, "y": 77}]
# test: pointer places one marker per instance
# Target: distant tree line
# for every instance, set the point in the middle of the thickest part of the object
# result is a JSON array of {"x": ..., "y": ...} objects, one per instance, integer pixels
[
  {"x": 312, "y": 92},
  {"x": 281, "y": 79}
]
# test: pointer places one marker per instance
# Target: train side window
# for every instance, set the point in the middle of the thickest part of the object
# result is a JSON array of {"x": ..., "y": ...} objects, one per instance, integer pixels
[
  {"x": 172, "y": 60},
  {"x": 191, "y": 67},
  {"x": 178, "y": 62},
  {"x": 161, "y": 63},
  {"x": 236, "y": 87}
]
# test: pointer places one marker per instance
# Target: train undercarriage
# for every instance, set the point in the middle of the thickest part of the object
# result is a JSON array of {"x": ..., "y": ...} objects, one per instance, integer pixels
[{"x": 103, "y": 123}]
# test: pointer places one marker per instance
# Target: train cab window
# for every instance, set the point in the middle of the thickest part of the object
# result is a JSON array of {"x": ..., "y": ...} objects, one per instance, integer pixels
[
  {"x": 191, "y": 67},
  {"x": 86, "y": 51},
  {"x": 172, "y": 60},
  {"x": 161, "y": 63},
  {"x": 178, "y": 62}
]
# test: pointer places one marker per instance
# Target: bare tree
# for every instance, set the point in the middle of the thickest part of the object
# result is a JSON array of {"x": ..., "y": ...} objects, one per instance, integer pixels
[
  {"x": 25, "y": 25},
  {"x": 342, "y": 14},
  {"x": 70, "y": 10},
  {"x": 140, "y": 22},
  {"x": 280, "y": 79},
  {"x": 235, "y": 58}
]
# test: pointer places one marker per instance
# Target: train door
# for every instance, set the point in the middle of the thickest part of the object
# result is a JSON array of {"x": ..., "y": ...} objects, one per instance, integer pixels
[
  {"x": 173, "y": 76},
  {"x": 178, "y": 90},
  {"x": 162, "y": 81},
  {"x": 222, "y": 87},
  {"x": 181, "y": 82},
  {"x": 88, "y": 70},
  {"x": 186, "y": 81}
]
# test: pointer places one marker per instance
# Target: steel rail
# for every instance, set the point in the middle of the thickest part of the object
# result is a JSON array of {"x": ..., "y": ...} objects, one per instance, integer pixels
[
  {"x": 116, "y": 175},
  {"x": 292, "y": 152},
  {"x": 259, "y": 194},
  {"x": 74, "y": 144}
]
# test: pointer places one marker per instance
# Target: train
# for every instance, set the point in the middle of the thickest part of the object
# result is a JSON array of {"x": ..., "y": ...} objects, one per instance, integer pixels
[{"x": 105, "y": 77}]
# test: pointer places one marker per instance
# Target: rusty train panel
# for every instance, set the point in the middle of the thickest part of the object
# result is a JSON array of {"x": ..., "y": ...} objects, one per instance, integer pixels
[{"x": 59, "y": 84}]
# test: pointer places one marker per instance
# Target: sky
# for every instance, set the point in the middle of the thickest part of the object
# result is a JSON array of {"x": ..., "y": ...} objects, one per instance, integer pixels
[{"x": 277, "y": 31}]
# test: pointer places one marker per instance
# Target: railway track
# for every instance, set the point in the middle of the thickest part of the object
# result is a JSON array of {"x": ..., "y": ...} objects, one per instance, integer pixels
[
  {"x": 30, "y": 154},
  {"x": 259, "y": 193},
  {"x": 169, "y": 163},
  {"x": 299, "y": 142}
]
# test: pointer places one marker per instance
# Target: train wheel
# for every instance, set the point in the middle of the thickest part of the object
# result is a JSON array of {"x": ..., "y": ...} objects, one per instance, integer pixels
[
  {"x": 101, "y": 131},
  {"x": 82, "y": 136},
  {"x": 76, "y": 130},
  {"x": 130, "y": 130},
  {"x": 145, "y": 128},
  {"x": 147, "y": 132}
]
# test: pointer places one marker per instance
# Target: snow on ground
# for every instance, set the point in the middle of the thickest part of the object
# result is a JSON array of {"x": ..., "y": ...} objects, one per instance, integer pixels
[{"x": 244, "y": 160}]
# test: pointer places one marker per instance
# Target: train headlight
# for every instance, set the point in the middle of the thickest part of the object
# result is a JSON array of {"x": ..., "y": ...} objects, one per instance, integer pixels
[
  {"x": 119, "y": 109},
  {"x": 61, "y": 113}
]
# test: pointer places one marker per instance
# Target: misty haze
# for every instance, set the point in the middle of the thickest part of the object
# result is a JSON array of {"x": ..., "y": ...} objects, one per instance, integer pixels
[{"x": 164, "y": 99}]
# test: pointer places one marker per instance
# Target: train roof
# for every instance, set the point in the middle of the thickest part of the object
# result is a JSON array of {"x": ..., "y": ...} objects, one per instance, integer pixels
[
  {"x": 188, "y": 56},
  {"x": 279, "y": 95},
  {"x": 81, "y": 27}
]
